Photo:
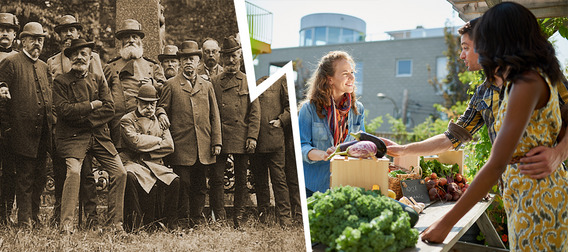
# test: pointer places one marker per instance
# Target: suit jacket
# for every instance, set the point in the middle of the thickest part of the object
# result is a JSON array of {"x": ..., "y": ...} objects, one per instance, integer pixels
[
  {"x": 147, "y": 144},
  {"x": 275, "y": 105},
  {"x": 240, "y": 119},
  {"x": 123, "y": 77},
  {"x": 29, "y": 83},
  {"x": 59, "y": 64},
  {"x": 194, "y": 118},
  {"x": 210, "y": 73},
  {"x": 77, "y": 122}
]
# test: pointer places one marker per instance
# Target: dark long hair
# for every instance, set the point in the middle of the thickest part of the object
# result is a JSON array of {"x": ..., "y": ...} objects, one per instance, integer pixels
[{"x": 508, "y": 37}]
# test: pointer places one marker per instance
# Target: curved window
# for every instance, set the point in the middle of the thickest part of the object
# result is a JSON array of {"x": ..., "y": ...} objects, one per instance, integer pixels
[
  {"x": 348, "y": 36},
  {"x": 320, "y": 36}
]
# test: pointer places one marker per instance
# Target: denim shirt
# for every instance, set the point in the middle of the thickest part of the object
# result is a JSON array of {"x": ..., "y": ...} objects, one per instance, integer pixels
[{"x": 315, "y": 134}]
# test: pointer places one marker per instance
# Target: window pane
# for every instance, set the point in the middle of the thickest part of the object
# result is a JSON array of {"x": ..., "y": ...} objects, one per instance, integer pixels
[
  {"x": 404, "y": 68},
  {"x": 333, "y": 35},
  {"x": 347, "y": 36},
  {"x": 441, "y": 68},
  {"x": 320, "y": 36},
  {"x": 309, "y": 39},
  {"x": 359, "y": 78}
]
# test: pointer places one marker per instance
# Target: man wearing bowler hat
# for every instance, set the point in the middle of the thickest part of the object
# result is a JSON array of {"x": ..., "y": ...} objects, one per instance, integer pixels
[
  {"x": 126, "y": 73},
  {"x": 8, "y": 28},
  {"x": 68, "y": 28},
  {"x": 189, "y": 100},
  {"x": 29, "y": 119},
  {"x": 84, "y": 106},
  {"x": 146, "y": 144},
  {"x": 169, "y": 61},
  {"x": 240, "y": 119}
]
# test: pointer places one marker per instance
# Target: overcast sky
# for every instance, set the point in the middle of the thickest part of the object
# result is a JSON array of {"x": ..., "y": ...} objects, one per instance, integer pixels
[{"x": 380, "y": 16}]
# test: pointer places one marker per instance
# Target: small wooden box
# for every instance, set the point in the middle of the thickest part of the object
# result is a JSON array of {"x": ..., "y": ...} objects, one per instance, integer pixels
[
  {"x": 360, "y": 173},
  {"x": 448, "y": 157}
]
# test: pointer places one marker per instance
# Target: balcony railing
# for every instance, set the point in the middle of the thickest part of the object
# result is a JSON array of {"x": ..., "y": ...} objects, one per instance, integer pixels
[{"x": 260, "y": 28}]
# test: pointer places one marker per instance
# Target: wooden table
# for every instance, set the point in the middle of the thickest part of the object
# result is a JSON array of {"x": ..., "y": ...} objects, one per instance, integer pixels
[{"x": 475, "y": 215}]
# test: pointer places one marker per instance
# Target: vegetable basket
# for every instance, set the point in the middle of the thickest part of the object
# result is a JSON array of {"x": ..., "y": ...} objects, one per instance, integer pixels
[{"x": 394, "y": 182}]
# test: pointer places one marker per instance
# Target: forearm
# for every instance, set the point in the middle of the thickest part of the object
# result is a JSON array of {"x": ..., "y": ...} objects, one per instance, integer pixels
[
  {"x": 317, "y": 155},
  {"x": 434, "y": 145},
  {"x": 562, "y": 146}
]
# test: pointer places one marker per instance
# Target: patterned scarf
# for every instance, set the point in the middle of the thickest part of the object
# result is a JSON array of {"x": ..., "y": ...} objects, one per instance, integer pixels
[{"x": 337, "y": 118}]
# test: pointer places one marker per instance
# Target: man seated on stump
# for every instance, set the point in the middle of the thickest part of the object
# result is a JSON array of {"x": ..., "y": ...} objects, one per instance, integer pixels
[{"x": 147, "y": 178}]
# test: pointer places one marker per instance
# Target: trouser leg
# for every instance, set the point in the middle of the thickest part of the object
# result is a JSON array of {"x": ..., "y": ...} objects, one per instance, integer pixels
[
  {"x": 260, "y": 171},
  {"x": 30, "y": 178},
  {"x": 70, "y": 195},
  {"x": 88, "y": 189},
  {"x": 132, "y": 211},
  {"x": 197, "y": 191},
  {"x": 59, "y": 174},
  {"x": 292, "y": 180},
  {"x": 241, "y": 190},
  {"x": 171, "y": 200},
  {"x": 216, "y": 189},
  {"x": 117, "y": 181},
  {"x": 279, "y": 186},
  {"x": 7, "y": 183},
  {"x": 183, "y": 202}
]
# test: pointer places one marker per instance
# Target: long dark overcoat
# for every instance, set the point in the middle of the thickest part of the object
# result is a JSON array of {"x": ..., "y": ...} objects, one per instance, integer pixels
[
  {"x": 77, "y": 122},
  {"x": 194, "y": 117},
  {"x": 29, "y": 83},
  {"x": 240, "y": 119},
  {"x": 274, "y": 105}
]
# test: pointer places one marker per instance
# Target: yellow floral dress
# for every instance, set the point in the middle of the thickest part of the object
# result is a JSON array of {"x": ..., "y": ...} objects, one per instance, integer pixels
[{"x": 537, "y": 209}]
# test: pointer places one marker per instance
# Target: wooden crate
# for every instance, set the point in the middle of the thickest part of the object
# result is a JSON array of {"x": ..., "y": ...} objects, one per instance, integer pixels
[
  {"x": 448, "y": 157},
  {"x": 360, "y": 173}
]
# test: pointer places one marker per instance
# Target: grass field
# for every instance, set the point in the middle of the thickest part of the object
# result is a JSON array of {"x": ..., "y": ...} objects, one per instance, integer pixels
[{"x": 252, "y": 236}]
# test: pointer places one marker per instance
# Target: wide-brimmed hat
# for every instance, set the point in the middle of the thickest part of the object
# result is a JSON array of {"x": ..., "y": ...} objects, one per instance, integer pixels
[
  {"x": 147, "y": 92},
  {"x": 77, "y": 44},
  {"x": 65, "y": 22},
  {"x": 33, "y": 29},
  {"x": 170, "y": 52},
  {"x": 230, "y": 44},
  {"x": 129, "y": 26},
  {"x": 9, "y": 20},
  {"x": 189, "y": 48}
]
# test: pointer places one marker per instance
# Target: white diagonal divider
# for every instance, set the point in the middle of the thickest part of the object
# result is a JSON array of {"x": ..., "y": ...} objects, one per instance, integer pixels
[{"x": 255, "y": 91}]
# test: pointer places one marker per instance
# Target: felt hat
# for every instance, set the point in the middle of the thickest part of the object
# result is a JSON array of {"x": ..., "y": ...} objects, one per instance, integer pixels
[
  {"x": 67, "y": 21},
  {"x": 230, "y": 44},
  {"x": 33, "y": 29},
  {"x": 9, "y": 20},
  {"x": 129, "y": 26},
  {"x": 147, "y": 92},
  {"x": 189, "y": 48},
  {"x": 170, "y": 52},
  {"x": 77, "y": 44}
]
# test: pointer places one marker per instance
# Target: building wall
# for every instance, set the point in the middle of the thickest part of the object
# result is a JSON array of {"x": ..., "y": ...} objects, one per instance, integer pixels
[{"x": 379, "y": 66}]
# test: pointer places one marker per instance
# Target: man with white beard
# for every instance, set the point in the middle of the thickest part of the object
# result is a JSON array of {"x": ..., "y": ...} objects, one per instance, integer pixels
[
  {"x": 84, "y": 107},
  {"x": 68, "y": 29},
  {"x": 170, "y": 61},
  {"x": 126, "y": 73}
]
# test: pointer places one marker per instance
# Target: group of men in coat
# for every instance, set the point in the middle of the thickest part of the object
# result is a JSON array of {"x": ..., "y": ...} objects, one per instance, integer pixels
[{"x": 158, "y": 139}]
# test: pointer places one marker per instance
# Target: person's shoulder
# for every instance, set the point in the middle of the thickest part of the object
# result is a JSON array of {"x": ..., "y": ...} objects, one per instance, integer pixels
[
  {"x": 151, "y": 61},
  {"x": 53, "y": 58},
  {"x": 359, "y": 105},
  {"x": 64, "y": 78},
  {"x": 129, "y": 117},
  {"x": 114, "y": 60}
]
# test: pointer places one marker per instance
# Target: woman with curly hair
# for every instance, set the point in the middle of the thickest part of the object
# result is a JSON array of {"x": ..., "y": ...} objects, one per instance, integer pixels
[
  {"x": 512, "y": 46},
  {"x": 327, "y": 116}
]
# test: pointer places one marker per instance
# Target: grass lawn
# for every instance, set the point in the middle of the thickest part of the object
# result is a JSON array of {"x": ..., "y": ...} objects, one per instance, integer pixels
[{"x": 252, "y": 236}]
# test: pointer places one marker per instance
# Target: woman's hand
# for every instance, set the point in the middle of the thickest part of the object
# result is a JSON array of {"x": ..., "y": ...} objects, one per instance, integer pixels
[
  {"x": 437, "y": 232},
  {"x": 319, "y": 155}
]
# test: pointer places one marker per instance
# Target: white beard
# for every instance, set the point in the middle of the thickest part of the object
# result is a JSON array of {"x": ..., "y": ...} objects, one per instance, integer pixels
[{"x": 131, "y": 52}]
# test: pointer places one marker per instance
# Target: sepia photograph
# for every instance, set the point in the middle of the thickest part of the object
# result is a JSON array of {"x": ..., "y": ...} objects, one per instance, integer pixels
[{"x": 128, "y": 125}]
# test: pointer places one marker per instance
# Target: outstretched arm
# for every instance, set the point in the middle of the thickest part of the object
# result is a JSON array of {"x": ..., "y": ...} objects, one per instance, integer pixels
[{"x": 524, "y": 96}]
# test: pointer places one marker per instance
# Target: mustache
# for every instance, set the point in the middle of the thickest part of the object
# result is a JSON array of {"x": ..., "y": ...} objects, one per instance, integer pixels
[{"x": 80, "y": 61}]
